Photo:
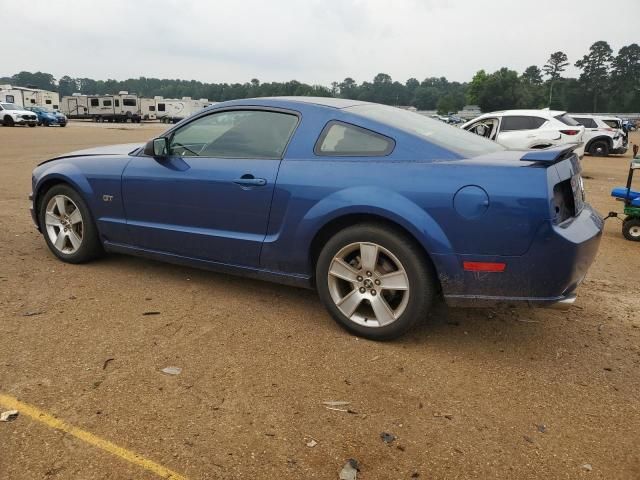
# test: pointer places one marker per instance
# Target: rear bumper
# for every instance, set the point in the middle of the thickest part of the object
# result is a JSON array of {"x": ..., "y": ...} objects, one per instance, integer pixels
[
  {"x": 619, "y": 151},
  {"x": 547, "y": 275}
]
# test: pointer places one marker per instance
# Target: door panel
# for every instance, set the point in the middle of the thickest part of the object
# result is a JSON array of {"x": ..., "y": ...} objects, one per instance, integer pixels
[{"x": 195, "y": 206}]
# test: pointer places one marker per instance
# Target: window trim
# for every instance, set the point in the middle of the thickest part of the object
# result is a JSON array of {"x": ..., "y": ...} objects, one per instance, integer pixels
[
  {"x": 170, "y": 133},
  {"x": 325, "y": 131}
]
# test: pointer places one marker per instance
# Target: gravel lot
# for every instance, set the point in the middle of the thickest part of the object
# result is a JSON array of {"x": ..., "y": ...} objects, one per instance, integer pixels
[{"x": 469, "y": 394}]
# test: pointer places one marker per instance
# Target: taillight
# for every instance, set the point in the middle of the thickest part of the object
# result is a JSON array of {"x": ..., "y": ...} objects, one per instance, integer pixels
[{"x": 570, "y": 132}]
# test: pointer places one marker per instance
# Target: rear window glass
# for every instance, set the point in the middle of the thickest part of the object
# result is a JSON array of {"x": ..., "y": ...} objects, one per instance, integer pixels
[
  {"x": 612, "y": 123},
  {"x": 520, "y": 122},
  {"x": 587, "y": 122},
  {"x": 343, "y": 139},
  {"x": 454, "y": 139},
  {"x": 567, "y": 120}
]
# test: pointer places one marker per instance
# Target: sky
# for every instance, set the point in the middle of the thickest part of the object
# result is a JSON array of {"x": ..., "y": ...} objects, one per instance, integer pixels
[{"x": 312, "y": 41}]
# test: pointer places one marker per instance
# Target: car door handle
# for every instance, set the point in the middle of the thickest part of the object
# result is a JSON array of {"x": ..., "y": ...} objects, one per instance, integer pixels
[{"x": 249, "y": 180}]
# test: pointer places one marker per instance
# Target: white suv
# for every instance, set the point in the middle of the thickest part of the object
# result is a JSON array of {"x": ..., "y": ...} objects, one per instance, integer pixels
[
  {"x": 603, "y": 134},
  {"x": 11, "y": 114},
  {"x": 529, "y": 129}
]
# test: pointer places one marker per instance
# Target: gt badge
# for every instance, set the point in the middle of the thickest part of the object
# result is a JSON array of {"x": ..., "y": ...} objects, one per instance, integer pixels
[{"x": 107, "y": 198}]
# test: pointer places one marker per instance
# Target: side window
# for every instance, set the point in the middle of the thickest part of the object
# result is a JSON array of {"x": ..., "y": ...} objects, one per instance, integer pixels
[
  {"x": 612, "y": 123},
  {"x": 587, "y": 122},
  {"x": 10, "y": 98},
  {"x": 33, "y": 100},
  {"x": 117, "y": 102},
  {"x": 106, "y": 103},
  {"x": 235, "y": 134},
  {"x": 129, "y": 102},
  {"x": 48, "y": 102},
  {"x": 512, "y": 123},
  {"x": 152, "y": 108},
  {"x": 343, "y": 139},
  {"x": 161, "y": 107},
  {"x": 55, "y": 107},
  {"x": 95, "y": 102}
]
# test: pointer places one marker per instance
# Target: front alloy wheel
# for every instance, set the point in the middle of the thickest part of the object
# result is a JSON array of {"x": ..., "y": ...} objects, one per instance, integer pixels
[
  {"x": 375, "y": 280},
  {"x": 64, "y": 224},
  {"x": 67, "y": 225}
]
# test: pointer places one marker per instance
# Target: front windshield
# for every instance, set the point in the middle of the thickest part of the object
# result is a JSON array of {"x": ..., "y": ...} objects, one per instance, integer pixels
[
  {"x": 10, "y": 106},
  {"x": 439, "y": 133}
]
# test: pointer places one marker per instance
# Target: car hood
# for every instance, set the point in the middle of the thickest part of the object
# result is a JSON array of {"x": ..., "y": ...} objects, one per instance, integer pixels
[
  {"x": 21, "y": 112},
  {"x": 107, "y": 150}
]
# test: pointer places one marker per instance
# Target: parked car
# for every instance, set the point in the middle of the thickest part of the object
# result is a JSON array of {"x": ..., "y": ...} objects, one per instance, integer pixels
[
  {"x": 11, "y": 114},
  {"x": 528, "y": 129},
  {"x": 48, "y": 117},
  {"x": 603, "y": 134},
  {"x": 378, "y": 208}
]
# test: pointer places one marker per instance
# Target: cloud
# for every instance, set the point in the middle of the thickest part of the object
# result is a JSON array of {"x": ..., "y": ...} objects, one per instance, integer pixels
[{"x": 314, "y": 41}]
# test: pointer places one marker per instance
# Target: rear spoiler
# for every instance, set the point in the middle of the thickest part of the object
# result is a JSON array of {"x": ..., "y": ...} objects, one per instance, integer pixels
[{"x": 550, "y": 155}]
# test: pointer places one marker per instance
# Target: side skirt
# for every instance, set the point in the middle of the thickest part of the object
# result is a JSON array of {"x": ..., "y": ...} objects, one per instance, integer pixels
[{"x": 292, "y": 280}]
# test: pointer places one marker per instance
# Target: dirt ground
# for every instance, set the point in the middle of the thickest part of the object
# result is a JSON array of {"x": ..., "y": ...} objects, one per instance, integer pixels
[{"x": 512, "y": 394}]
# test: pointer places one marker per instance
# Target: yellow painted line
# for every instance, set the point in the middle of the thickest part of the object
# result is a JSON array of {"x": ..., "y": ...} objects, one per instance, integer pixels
[{"x": 90, "y": 438}]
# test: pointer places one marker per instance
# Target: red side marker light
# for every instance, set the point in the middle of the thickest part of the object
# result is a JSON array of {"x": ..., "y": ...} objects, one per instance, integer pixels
[{"x": 484, "y": 266}]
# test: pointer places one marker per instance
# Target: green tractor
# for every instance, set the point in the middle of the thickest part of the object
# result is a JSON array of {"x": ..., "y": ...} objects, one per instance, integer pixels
[{"x": 631, "y": 199}]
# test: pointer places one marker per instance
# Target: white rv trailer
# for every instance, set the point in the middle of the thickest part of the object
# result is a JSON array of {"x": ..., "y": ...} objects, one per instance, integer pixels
[
  {"x": 148, "y": 108},
  {"x": 29, "y": 97},
  {"x": 171, "y": 110},
  {"x": 110, "y": 108}
]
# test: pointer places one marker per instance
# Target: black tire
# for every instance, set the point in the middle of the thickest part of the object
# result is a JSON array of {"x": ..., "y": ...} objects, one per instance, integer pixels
[
  {"x": 8, "y": 121},
  {"x": 33, "y": 125},
  {"x": 63, "y": 124},
  {"x": 91, "y": 246},
  {"x": 418, "y": 268},
  {"x": 599, "y": 148},
  {"x": 631, "y": 229}
]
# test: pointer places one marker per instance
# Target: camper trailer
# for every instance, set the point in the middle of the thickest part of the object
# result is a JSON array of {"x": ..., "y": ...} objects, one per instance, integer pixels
[
  {"x": 148, "y": 108},
  {"x": 29, "y": 97},
  {"x": 103, "y": 108},
  {"x": 171, "y": 110}
]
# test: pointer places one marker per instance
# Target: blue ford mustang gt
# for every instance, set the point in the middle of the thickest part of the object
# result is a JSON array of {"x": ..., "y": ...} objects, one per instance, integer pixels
[{"x": 378, "y": 208}]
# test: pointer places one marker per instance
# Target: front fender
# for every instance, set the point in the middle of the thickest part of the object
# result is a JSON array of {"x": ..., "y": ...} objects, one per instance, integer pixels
[{"x": 63, "y": 172}]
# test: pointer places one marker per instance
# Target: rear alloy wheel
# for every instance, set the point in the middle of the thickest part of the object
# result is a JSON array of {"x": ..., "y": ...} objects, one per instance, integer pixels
[
  {"x": 599, "y": 149},
  {"x": 8, "y": 121},
  {"x": 374, "y": 281},
  {"x": 631, "y": 229},
  {"x": 67, "y": 225}
]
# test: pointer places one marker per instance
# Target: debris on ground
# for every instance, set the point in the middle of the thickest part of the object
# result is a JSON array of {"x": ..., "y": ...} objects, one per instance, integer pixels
[
  {"x": 151, "y": 313},
  {"x": 542, "y": 428},
  {"x": 106, "y": 362},
  {"x": 350, "y": 470},
  {"x": 587, "y": 467},
  {"x": 528, "y": 438},
  {"x": 312, "y": 443},
  {"x": 334, "y": 403},
  {"x": 387, "y": 437},
  {"x": 172, "y": 370},
  {"x": 9, "y": 415},
  {"x": 33, "y": 314}
]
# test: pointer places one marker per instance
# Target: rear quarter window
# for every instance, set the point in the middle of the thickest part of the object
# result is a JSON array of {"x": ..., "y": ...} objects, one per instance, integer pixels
[
  {"x": 344, "y": 139},
  {"x": 612, "y": 123},
  {"x": 587, "y": 122}
]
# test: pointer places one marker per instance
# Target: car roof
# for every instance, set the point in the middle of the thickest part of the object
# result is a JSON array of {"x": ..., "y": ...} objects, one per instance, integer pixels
[
  {"x": 528, "y": 112},
  {"x": 328, "y": 102}
]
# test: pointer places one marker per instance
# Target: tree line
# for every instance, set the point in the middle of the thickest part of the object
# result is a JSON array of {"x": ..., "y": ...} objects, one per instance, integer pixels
[{"x": 607, "y": 82}]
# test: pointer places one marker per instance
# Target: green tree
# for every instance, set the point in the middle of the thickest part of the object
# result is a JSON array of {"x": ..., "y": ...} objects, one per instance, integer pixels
[
  {"x": 625, "y": 79},
  {"x": 554, "y": 67},
  {"x": 595, "y": 70}
]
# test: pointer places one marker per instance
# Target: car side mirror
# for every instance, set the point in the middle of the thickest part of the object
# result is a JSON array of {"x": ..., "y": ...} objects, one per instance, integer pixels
[{"x": 158, "y": 147}]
